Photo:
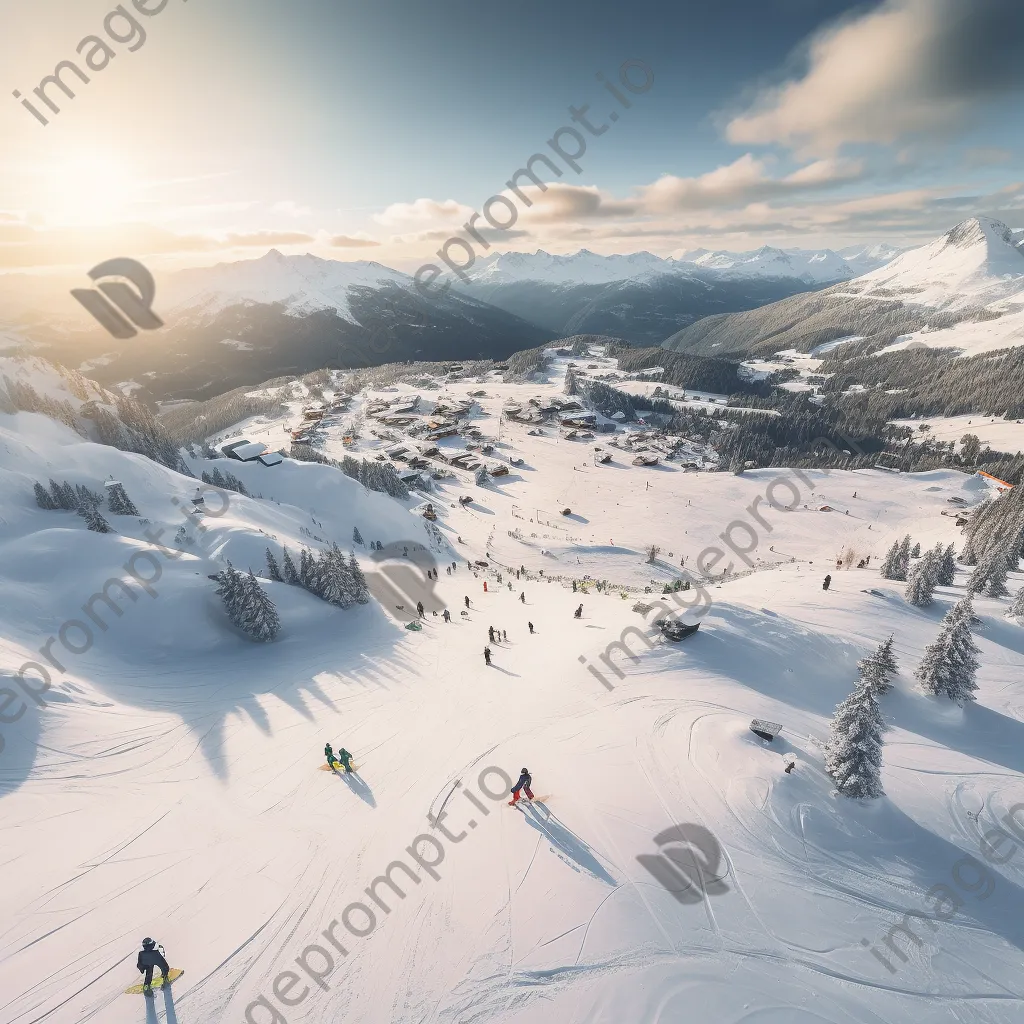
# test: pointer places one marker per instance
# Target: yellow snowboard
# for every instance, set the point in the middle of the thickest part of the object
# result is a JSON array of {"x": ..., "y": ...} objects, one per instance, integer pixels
[
  {"x": 337, "y": 767},
  {"x": 158, "y": 982}
]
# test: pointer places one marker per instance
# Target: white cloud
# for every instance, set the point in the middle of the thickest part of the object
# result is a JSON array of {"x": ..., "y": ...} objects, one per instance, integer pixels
[
  {"x": 422, "y": 213},
  {"x": 906, "y": 67}
]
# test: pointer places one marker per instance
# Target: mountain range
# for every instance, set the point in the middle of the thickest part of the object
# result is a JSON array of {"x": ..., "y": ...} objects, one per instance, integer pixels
[
  {"x": 964, "y": 290},
  {"x": 243, "y": 322}
]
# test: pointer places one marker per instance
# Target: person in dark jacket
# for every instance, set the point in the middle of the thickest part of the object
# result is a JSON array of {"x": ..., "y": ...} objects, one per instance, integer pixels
[
  {"x": 530, "y": 624},
  {"x": 447, "y": 615},
  {"x": 419, "y": 609},
  {"x": 578, "y": 613},
  {"x": 329, "y": 754},
  {"x": 487, "y": 655},
  {"x": 524, "y": 783},
  {"x": 150, "y": 957},
  {"x": 467, "y": 602},
  {"x": 490, "y": 633},
  {"x": 827, "y": 583}
]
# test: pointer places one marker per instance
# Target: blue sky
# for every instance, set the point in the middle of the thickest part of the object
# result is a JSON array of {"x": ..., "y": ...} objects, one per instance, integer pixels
[{"x": 372, "y": 130}]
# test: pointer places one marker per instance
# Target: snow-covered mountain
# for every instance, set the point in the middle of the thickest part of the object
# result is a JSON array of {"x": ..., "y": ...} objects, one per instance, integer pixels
[
  {"x": 976, "y": 263},
  {"x": 581, "y": 268},
  {"x": 811, "y": 266},
  {"x": 303, "y": 284},
  {"x": 243, "y": 322},
  {"x": 964, "y": 290}
]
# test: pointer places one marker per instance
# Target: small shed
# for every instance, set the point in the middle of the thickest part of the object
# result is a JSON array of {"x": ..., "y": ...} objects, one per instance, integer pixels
[{"x": 766, "y": 730}]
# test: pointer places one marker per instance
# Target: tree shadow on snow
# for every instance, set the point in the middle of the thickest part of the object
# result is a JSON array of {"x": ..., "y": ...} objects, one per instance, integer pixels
[
  {"x": 538, "y": 816},
  {"x": 912, "y": 860},
  {"x": 773, "y": 655}
]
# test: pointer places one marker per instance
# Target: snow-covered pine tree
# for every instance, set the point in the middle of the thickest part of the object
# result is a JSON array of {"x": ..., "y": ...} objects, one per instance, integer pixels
[
  {"x": 1016, "y": 609},
  {"x": 979, "y": 578},
  {"x": 878, "y": 668},
  {"x": 921, "y": 583},
  {"x": 88, "y": 497},
  {"x": 93, "y": 520},
  {"x": 44, "y": 499},
  {"x": 273, "y": 571},
  {"x": 289, "y": 574},
  {"x": 306, "y": 569},
  {"x": 360, "y": 590},
  {"x": 119, "y": 502},
  {"x": 891, "y": 566},
  {"x": 950, "y": 663},
  {"x": 57, "y": 493},
  {"x": 480, "y": 477},
  {"x": 946, "y": 574},
  {"x": 915, "y": 551},
  {"x": 357, "y": 537},
  {"x": 853, "y": 755},
  {"x": 996, "y": 583},
  {"x": 259, "y": 618},
  {"x": 571, "y": 386},
  {"x": 905, "y": 556}
]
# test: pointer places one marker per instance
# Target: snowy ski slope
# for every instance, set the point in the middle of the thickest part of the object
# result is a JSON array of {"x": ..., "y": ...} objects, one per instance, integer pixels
[{"x": 170, "y": 785}]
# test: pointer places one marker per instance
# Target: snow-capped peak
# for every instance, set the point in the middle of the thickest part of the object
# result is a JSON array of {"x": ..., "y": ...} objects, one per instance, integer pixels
[
  {"x": 975, "y": 263},
  {"x": 302, "y": 283}
]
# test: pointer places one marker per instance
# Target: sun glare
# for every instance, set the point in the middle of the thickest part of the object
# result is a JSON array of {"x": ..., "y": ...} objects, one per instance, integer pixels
[{"x": 88, "y": 188}]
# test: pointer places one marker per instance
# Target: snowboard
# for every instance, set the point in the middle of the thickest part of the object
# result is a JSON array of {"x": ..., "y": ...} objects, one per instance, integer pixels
[
  {"x": 158, "y": 982},
  {"x": 337, "y": 767}
]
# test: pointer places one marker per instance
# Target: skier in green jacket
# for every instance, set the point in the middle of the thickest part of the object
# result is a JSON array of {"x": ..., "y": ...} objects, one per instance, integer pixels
[{"x": 346, "y": 759}]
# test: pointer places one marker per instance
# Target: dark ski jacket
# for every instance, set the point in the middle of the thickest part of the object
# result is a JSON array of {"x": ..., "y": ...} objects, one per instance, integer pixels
[
  {"x": 152, "y": 958},
  {"x": 526, "y": 779}
]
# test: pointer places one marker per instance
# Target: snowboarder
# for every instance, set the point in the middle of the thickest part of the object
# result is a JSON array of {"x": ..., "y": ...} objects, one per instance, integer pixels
[
  {"x": 530, "y": 624},
  {"x": 346, "y": 759},
  {"x": 419, "y": 609},
  {"x": 522, "y": 597},
  {"x": 490, "y": 633},
  {"x": 447, "y": 615},
  {"x": 150, "y": 957},
  {"x": 487, "y": 655},
  {"x": 467, "y": 601},
  {"x": 828, "y": 581},
  {"x": 524, "y": 783},
  {"x": 578, "y": 613}
]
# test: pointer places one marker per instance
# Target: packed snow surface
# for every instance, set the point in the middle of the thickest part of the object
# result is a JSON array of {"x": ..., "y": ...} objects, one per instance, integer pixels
[{"x": 169, "y": 785}]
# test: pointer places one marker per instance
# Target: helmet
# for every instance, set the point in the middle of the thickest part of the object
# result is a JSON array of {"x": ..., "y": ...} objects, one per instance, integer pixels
[
  {"x": 526, "y": 771},
  {"x": 148, "y": 943}
]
